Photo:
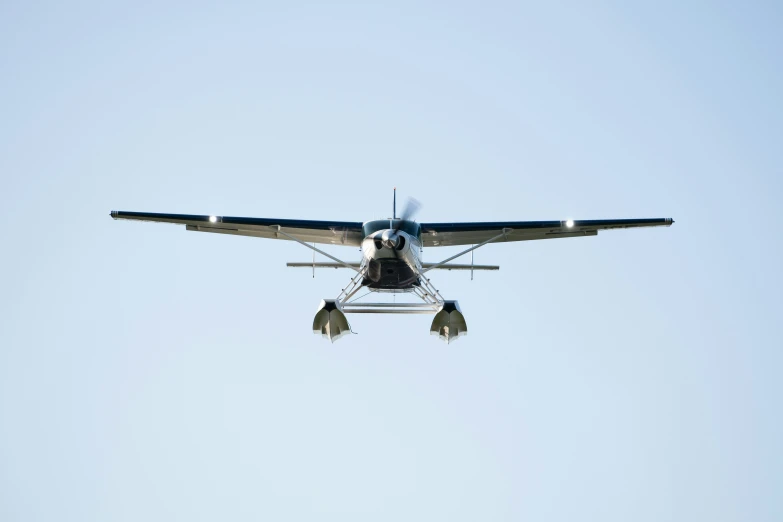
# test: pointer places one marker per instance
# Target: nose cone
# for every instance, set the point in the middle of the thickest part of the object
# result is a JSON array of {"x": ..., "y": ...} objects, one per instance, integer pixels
[{"x": 389, "y": 238}]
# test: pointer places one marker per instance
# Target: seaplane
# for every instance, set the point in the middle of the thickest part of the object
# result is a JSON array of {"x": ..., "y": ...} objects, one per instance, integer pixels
[{"x": 391, "y": 260}]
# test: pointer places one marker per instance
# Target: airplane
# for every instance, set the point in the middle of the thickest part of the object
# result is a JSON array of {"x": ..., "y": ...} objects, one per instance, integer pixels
[{"x": 391, "y": 256}]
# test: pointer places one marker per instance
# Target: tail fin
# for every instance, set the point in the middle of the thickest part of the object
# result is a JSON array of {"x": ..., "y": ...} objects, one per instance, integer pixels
[{"x": 394, "y": 209}]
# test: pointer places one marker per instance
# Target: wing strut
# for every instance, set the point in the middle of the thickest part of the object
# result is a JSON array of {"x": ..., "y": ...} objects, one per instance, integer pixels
[
  {"x": 277, "y": 229},
  {"x": 471, "y": 249}
]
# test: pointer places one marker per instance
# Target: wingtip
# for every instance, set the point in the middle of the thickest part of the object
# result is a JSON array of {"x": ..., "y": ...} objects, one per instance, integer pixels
[{"x": 113, "y": 214}]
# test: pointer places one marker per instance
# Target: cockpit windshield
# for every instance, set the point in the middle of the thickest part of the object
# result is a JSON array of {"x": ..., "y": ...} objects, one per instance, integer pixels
[{"x": 410, "y": 227}]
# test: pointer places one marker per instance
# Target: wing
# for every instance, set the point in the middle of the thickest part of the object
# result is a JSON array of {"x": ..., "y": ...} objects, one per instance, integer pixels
[
  {"x": 448, "y": 234},
  {"x": 438, "y": 266},
  {"x": 327, "y": 232}
]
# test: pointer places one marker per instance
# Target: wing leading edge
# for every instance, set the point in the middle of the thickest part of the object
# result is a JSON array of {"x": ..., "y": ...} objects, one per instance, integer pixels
[
  {"x": 324, "y": 232},
  {"x": 450, "y": 234}
]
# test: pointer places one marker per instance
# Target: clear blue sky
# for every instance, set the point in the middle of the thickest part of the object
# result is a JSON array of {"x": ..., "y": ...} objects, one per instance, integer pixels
[{"x": 148, "y": 373}]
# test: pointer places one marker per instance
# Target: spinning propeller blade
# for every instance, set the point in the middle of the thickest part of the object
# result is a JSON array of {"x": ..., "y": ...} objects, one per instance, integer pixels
[{"x": 412, "y": 207}]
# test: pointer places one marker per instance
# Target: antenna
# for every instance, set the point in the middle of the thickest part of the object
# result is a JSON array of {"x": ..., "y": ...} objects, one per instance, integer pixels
[{"x": 394, "y": 210}]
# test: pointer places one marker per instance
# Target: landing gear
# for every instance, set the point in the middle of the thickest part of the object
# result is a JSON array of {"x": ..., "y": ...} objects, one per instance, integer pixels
[
  {"x": 398, "y": 275},
  {"x": 449, "y": 323},
  {"x": 330, "y": 321}
]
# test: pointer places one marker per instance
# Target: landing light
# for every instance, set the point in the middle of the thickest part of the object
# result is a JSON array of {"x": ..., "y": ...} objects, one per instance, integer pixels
[
  {"x": 213, "y": 219},
  {"x": 570, "y": 223}
]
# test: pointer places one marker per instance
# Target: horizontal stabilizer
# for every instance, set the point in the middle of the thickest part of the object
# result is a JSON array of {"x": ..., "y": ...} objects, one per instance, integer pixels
[
  {"x": 455, "y": 266},
  {"x": 321, "y": 265},
  {"x": 423, "y": 265}
]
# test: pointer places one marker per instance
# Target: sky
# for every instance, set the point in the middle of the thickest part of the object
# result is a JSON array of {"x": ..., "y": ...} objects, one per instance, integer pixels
[{"x": 147, "y": 373}]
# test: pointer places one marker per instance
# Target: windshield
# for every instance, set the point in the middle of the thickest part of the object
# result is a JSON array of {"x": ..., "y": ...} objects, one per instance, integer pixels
[{"x": 410, "y": 227}]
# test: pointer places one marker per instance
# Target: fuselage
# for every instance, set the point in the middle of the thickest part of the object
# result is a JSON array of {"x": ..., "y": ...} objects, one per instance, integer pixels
[{"x": 391, "y": 250}]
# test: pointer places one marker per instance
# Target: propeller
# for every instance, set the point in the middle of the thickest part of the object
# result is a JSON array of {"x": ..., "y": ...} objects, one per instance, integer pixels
[
  {"x": 390, "y": 238},
  {"x": 412, "y": 207}
]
